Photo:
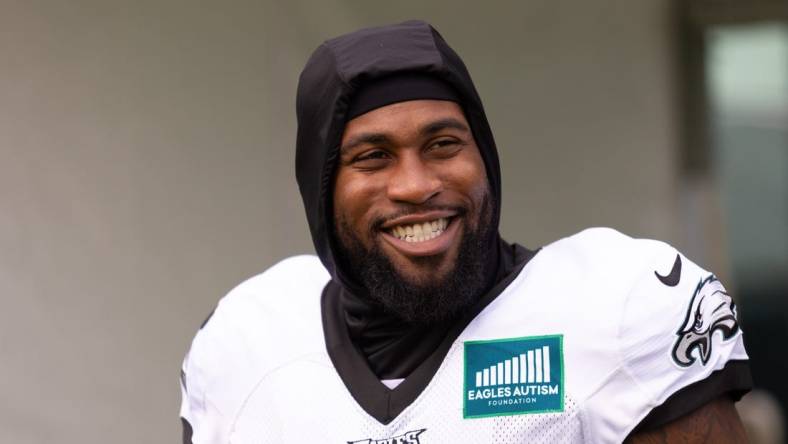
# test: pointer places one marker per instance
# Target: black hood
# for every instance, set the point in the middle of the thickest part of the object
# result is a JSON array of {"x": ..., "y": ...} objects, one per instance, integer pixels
[{"x": 334, "y": 73}]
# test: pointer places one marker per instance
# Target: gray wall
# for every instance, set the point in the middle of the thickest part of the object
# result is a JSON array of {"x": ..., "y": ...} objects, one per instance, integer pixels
[{"x": 146, "y": 158}]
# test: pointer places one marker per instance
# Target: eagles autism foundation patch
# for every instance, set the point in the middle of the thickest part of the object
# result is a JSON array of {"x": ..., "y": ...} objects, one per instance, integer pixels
[{"x": 514, "y": 376}]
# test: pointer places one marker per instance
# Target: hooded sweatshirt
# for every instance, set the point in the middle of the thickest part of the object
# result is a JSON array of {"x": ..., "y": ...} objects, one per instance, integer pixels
[{"x": 337, "y": 74}]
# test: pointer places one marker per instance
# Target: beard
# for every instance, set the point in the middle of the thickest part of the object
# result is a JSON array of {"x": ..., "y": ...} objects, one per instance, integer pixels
[{"x": 424, "y": 300}]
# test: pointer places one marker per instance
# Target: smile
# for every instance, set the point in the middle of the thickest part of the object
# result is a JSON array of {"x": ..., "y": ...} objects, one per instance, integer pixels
[
  {"x": 420, "y": 232},
  {"x": 425, "y": 234}
]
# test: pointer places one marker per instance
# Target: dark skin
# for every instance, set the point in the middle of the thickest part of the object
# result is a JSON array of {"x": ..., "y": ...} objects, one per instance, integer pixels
[
  {"x": 715, "y": 422},
  {"x": 406, "y": 163}
]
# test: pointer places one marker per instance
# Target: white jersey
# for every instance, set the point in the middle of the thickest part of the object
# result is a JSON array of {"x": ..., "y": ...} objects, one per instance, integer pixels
[{"x": 595, "y": 332}]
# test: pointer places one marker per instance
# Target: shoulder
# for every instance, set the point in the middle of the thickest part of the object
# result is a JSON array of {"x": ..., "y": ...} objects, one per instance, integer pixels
[
  {"x": 604, "y": 282},
  {"x": 264, "y": 321},
  {"x": 607, "y": 245},
  {"x": 287, "y": 293},
  {"x": 288, "y": 274},
  {"x": 605, "y": 262},
  {"x": 297, "y": 277},
  {"x": 674, "y": 326},
  {"x": 612, "y": 255},
  {"x": 286, "y": 286},
  {"x": 657, "y": 288}
]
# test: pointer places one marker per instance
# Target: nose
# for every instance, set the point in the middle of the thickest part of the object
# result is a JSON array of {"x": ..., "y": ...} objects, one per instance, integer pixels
[{"x": 413, "y": 180}]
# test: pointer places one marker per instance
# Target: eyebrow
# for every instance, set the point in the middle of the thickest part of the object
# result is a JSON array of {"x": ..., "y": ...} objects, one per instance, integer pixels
[
  {"x": 364, "y": 138},
  {"x": 442, "y": 124},
  {"x": 380, "y": 138}
]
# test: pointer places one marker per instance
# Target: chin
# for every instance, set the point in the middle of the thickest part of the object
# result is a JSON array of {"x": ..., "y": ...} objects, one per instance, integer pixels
[
  {"x": 423, "y": 279},
  {"x": 424, "y": 271}
]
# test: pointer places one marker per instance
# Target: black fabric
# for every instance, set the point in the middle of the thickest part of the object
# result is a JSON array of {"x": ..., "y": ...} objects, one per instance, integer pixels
[
  {"x": 733, "y": 380},
  {"x": 379, "y": 401},
  {"x": 399, "y": 88},
  {"x": 187, "y": 431},
  {"x": 334, "y": 74},
  {"x": 394, "y": 348}
]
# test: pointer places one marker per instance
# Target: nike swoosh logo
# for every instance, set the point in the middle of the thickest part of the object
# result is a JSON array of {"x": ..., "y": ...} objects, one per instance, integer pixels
[{"x": 673, "y": 278}]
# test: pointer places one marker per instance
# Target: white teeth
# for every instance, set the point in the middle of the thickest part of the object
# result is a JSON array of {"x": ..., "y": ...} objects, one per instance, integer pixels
[{"x": 420, "y": 232}]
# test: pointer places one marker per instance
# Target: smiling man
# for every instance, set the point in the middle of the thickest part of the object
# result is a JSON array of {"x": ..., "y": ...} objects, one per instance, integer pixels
[
  {"x": 417, "y": 323},
  {"x": 413, "y": 210}
]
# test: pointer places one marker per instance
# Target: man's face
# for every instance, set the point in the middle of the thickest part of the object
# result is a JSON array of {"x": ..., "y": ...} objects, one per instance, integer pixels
[{"x": 411, "y": 186}]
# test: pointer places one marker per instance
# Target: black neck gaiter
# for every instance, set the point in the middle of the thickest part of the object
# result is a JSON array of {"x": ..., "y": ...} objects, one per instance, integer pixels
[{"x": 394, "y": 348}]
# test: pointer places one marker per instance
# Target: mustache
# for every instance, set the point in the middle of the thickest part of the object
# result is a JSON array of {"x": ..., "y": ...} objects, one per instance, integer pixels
[{"x": 408, "y": 209}]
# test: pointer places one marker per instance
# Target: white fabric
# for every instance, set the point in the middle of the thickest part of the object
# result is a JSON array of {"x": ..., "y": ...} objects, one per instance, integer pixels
[
  {"x": 392, "y": 383},
  {"x": 258, "y": 372}
]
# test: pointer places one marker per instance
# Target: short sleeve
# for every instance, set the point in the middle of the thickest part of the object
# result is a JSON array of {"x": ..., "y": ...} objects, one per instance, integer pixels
[{"x": 680, "y": 339}]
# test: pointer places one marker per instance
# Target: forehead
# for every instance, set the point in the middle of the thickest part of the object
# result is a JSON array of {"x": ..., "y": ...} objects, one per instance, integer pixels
[{"x": 403, "y": 118}]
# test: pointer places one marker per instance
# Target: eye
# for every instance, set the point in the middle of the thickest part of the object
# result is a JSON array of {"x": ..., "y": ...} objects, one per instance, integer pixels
[
  {"x": 371, "y": 160},
  {"x": 698, "y": 321},
  {"x": 445, "y": 147},
  {"x": 377, "y": 154}
]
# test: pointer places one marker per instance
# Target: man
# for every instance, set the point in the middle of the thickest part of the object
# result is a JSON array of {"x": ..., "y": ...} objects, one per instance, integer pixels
[{"x": 418, "y": 323}]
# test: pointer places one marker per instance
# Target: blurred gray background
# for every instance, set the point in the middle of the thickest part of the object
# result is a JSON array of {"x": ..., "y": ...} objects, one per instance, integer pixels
[{"x": 147, "y": 158}]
